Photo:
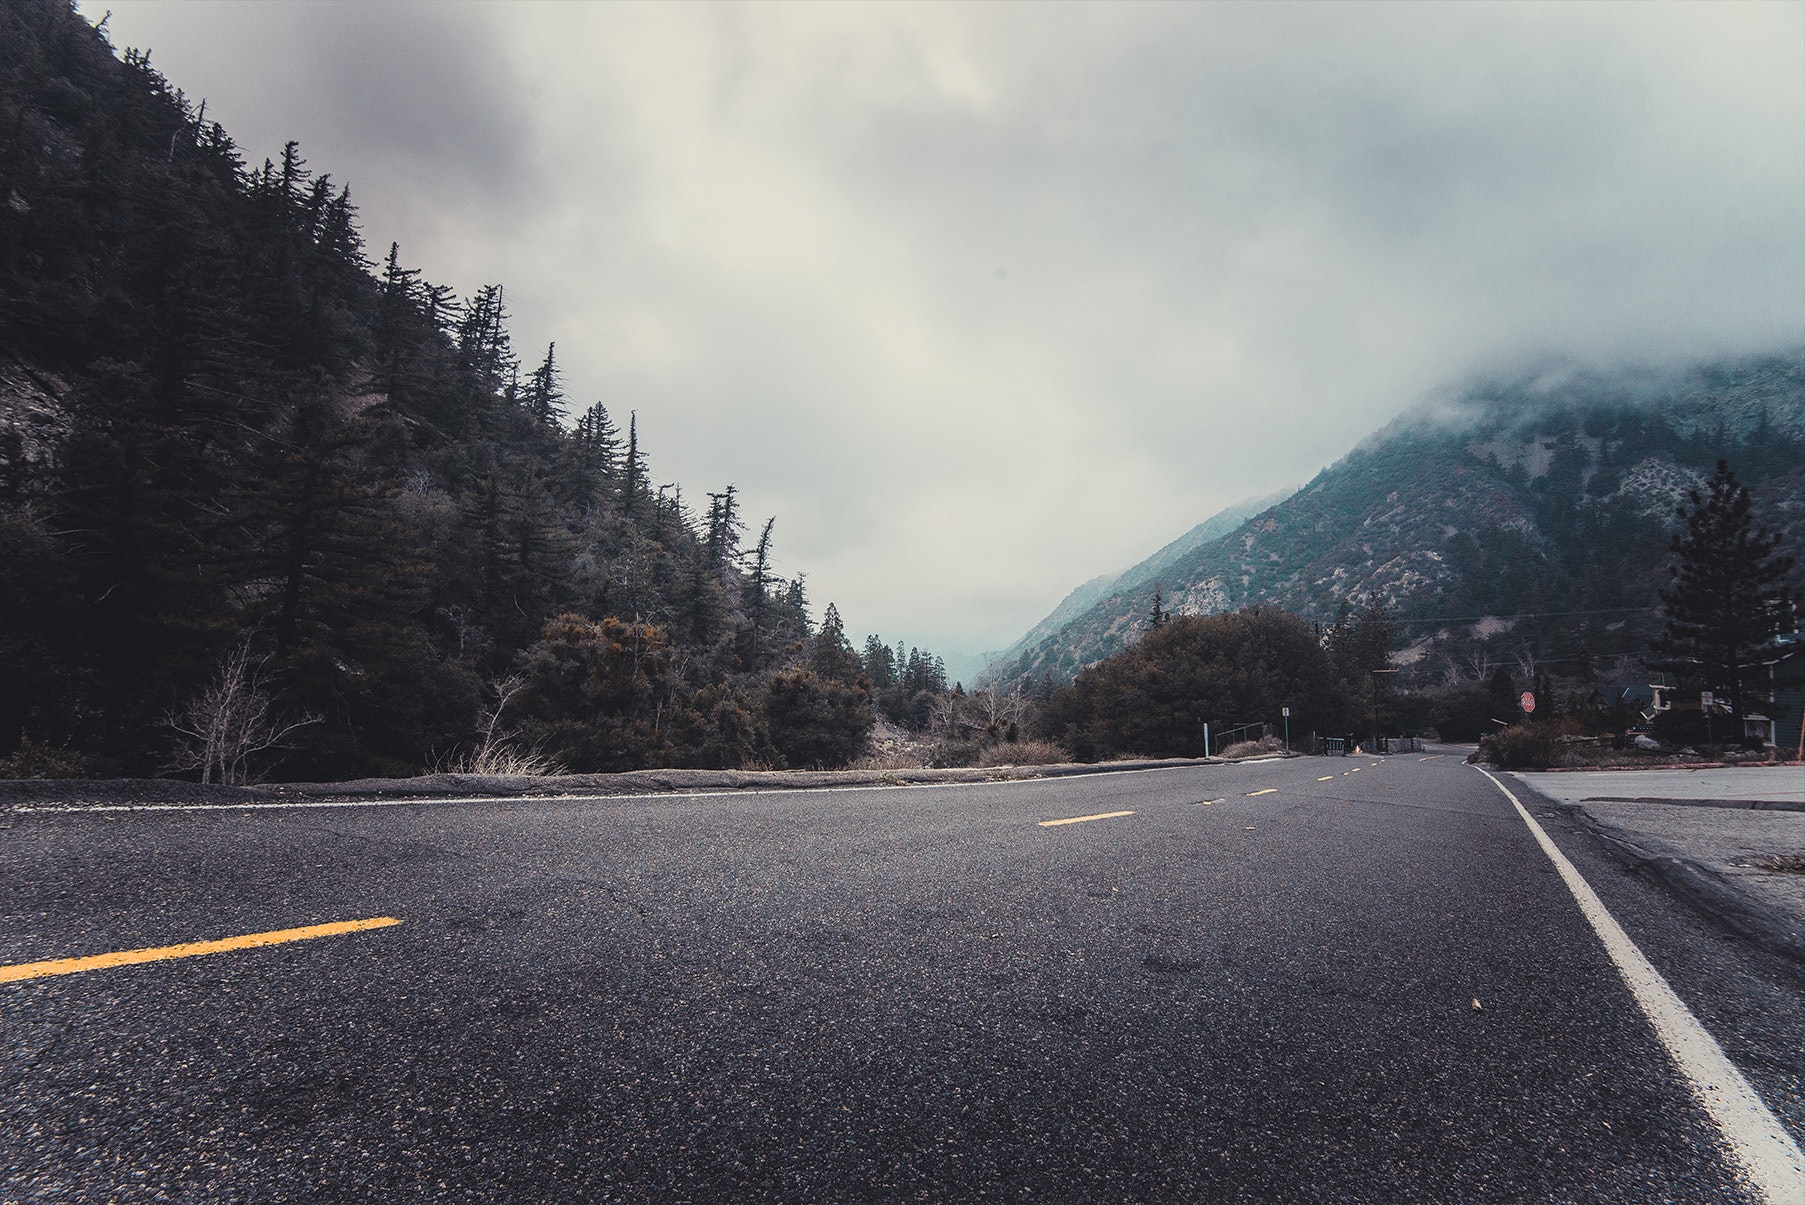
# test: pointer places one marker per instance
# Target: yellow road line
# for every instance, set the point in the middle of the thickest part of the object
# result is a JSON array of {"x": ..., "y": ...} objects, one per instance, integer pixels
[
  {"x": 71, "y": 966},
  {"x": 1431, "y": 757},
  {"x": 1082, "y": 819},
  {"x": 1325, "y": 778},
  {"x": 1267, "y": 791},
  {"x": 1355, "y": 770}
]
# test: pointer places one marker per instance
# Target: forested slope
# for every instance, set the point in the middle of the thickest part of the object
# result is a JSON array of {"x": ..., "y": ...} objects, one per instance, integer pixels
[
  {"x": 228, "y": 438},
  {"x": 1545, "y": 502}
]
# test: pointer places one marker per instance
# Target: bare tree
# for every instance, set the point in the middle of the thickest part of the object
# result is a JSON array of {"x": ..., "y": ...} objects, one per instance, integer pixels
[
  {"x": 230, "y": 722},
  {"x": 497, "y": 753},
  {"x": 1478, "y": 663},
  {"x": 987, "y": 715}
]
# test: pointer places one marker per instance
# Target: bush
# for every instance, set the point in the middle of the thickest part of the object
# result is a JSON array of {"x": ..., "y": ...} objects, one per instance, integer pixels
[
  {"x": 1263, "y": 747},
  {"x": 817, "y": 723},
  {"x": 952, "y": 754},
  {"x": 40, "y": 761},
  {"x": 1686, "y": 726},
  {"x": 1521, "y": 748},
  {"x": 1464, "y": 713},
  {"x": 1153, "y": 698},
  {"x": 1023, "y": 753}
]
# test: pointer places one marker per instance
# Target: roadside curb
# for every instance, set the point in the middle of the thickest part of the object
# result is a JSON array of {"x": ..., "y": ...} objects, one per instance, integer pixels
[
  {"x": 49, "y": 795},
  {"x": 1693, "y": 881}
]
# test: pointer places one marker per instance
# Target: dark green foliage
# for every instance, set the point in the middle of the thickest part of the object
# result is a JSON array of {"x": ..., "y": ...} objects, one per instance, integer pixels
[
  {"x": 1229, "y": 670},
  {"x": 817, "y": 723},
  {"x": 1680, "y": 726},
  {"x": 907, "y": 682},
  {"x": 831, "y": 657},
  {"x": 219, "y": 423},
  {"x": 1728, "y": 600},
  {"x": 1524, "y": 747},
  {"x": 598, "y": 695},
  {"x": 32, "y": 760},
  {"x": 1548, "y": 505},
  {"x": 1466, "y": 713}
]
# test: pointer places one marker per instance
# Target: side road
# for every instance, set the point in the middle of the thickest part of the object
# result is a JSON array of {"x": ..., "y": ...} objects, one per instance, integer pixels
[
  {"x": 1731, "y": 840},
  {"x": 46, "y": 794}
]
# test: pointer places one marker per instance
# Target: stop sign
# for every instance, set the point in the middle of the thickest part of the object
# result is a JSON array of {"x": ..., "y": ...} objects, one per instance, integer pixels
[{"x": 1527, "y": 702}]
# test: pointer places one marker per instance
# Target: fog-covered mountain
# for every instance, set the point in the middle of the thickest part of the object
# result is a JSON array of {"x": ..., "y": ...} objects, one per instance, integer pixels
[
  {"x": 1527, "y": 516},
  {"x": 1103, "y": 586}
]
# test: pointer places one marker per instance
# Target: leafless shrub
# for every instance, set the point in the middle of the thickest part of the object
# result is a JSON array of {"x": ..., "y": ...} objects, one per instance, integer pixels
[
  {"x": 230, "y": 722},
  {"x": 499, "y": 754},
  {"x": 1263, "y": 747},
  {"x": 1023, "y": 753}
]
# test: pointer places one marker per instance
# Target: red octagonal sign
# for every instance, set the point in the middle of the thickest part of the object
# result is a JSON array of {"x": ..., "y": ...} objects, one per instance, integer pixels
[{"x": 1527, "y": 702}]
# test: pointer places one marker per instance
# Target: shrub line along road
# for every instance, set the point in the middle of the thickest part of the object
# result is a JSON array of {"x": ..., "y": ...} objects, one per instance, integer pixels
[{"x": 1256, "y": 982}]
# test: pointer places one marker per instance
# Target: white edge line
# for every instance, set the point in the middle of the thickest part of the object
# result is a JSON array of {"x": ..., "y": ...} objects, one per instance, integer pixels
[
  {"x": 277, "y": 804},
  {"x": 1764, "y": 1152}
]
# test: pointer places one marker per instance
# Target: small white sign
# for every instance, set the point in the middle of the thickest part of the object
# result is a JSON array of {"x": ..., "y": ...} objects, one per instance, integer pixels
[
  {"x": 1285, "y": 711},
  {"x": 1706, "y": 698}
]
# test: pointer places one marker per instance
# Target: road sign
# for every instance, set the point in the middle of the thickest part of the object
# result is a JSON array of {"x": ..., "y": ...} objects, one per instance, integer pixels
[
  {"x": 1527, "y": 702},
  {"x": 1285, "y": 711},
  {"x": 1706, "y": 698}
]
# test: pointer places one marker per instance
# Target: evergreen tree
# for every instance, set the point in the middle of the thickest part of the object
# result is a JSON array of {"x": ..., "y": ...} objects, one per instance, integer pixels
[
  {"x": 1158, "y": 615},
  {"x": 1728, "y": 597},
  {"x": 545, "y": 392}
]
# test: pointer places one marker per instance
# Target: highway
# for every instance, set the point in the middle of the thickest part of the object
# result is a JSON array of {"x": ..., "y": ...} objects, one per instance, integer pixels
[{"x": 1314, "y": 979}]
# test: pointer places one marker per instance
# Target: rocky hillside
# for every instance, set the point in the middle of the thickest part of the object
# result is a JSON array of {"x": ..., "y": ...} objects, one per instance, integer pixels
[
  {"x": 1083, "y": 598},
  {"x": 1523, "y": 519}
]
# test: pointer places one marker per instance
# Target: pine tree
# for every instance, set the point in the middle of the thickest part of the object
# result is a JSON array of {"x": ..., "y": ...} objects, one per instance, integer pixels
[
  {"x": 1728, "y": 596},
  {"x": 633, "y": 472},
  {"x": 544, "y": 393}
]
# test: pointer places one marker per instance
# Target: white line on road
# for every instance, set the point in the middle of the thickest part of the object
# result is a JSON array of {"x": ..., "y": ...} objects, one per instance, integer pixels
[{"x": 1765, "y": 1153}]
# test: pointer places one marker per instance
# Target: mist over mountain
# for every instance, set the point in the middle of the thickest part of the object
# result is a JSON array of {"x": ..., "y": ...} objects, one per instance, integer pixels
[
  {"x": 1088, "y": 595},
  {"x": 1522, "y": 518}
]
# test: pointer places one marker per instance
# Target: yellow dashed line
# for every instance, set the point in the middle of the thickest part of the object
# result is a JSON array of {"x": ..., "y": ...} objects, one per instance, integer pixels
[
  {"x": 1267, "y": 791},
  {"x": 1325, "y": 778},
  {"x": 1432, "y": 757},
  {"x": 1082, "y": 819},
  {"x": 71, "y": 966}
]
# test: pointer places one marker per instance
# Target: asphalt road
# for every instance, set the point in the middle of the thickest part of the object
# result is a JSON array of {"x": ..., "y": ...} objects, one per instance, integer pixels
[{"x": 874, "y": 994}]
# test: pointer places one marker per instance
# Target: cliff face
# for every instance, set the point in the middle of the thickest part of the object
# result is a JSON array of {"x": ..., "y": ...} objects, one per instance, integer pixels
[{"x": 1531, "y": 515}]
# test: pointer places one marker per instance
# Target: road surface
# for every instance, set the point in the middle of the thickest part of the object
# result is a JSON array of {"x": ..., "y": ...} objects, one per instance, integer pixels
[{"x": 1347, "y": 979}]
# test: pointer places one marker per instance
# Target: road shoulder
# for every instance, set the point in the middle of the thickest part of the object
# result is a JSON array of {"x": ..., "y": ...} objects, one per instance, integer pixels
[{"x": 1724, "y": 857}]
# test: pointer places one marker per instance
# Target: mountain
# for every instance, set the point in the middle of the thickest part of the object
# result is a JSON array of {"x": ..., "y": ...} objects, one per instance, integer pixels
[
  {"x": 1523, "y": 518},
  {"x": 1082, "y": 599}
]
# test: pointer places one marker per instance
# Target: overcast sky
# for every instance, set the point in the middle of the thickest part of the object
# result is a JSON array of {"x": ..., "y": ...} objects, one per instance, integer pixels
[{"x": 982, "y": 301}]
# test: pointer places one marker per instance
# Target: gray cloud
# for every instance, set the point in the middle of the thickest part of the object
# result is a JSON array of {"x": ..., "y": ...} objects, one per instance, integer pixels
[{"x": 984, "y": 300}]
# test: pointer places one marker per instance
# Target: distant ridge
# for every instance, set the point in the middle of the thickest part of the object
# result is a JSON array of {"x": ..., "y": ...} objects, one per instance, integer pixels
[
  {"x": 1521, "y": 521},
  {"x": 1086, "y": 596}
]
